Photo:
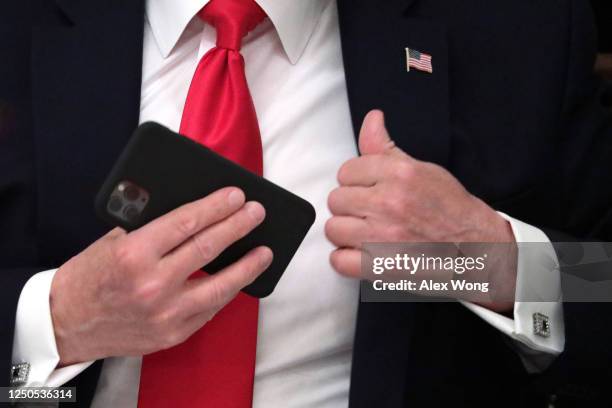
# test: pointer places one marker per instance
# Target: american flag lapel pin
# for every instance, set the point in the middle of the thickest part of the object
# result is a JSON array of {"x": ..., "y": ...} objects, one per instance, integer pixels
[{"x": 418, "y": 60}]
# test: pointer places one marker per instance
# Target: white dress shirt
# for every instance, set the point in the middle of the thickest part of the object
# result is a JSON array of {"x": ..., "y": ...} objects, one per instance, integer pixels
[{"x": 305, "y": 331}]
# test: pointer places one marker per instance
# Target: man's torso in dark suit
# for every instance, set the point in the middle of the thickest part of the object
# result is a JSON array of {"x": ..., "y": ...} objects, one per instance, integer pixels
[{"x": 511, "y": 110}]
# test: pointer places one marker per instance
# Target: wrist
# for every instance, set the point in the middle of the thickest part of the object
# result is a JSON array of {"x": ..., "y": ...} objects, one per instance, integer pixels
[
  {"x": 58, "y": 317},
  {"x": 503, "y": 230},
  {"x": 69, "y": 327},
  {"x": 491, "y": 226},
  {"x": 503, "y": 259}
]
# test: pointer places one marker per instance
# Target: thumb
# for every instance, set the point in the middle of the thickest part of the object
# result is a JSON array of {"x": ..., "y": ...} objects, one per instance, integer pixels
[{"x": 373, "y": 136}]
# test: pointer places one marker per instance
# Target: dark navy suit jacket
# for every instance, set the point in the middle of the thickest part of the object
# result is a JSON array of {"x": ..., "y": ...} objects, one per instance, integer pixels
[{"x": 511, "y": 109}]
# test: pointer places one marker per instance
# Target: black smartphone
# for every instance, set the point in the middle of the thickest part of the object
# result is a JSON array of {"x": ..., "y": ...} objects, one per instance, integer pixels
[{"x": 160, "y": 170}]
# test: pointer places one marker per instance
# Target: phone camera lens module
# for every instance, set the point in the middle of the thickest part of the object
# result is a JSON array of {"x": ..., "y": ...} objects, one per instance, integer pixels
[
  {"x": 115, "y": 204},
  {"x": 131, "y": 192},
  {"x": 131, "y": 213},
  {"x": 127, "y": 202}
]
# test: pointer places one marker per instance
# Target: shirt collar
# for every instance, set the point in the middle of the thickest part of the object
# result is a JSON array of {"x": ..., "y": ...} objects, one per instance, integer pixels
[{"x": 294, "y": 21}]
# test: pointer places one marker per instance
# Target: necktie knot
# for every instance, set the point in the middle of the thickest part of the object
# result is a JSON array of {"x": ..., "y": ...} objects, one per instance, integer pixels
[{"x": 233, "y": 19}]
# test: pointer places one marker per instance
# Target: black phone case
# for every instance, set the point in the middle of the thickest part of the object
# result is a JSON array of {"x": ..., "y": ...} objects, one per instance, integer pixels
[{"x": 176, "y": 170}]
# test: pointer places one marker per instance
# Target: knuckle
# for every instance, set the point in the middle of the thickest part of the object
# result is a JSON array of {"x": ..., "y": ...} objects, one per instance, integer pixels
[
  {"x": 333, "y": 260},
  {"x": 244, "y": 223},
  {"x": 163, "y": 320},
  {"x": 333, "y": 200},
  {"x": 114, "y": 234},
  {"x": 432, "y": 167},
  {"x": 251, "y": 269},
  {"x": 127, "y": 257},
  {"x": 187, "y": 225},
  {"x": 343, "y": 173},
  {"x": 215, "y": 205},
  {"x": 336, "y": 260},
  {"x": 203, "y": 247},
  {"x": 147, "y": 296},
  {"x": 171, "y": 338},
  {"x": 403, "y": 170},
  {"x": 217, "y": 293},
  {"x": 330, "y": 228}
]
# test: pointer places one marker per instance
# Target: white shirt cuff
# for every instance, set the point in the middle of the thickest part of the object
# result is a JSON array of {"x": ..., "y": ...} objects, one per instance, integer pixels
[
  {"x": 538, "y": 277},
  {"x": 34, "y": 338}
]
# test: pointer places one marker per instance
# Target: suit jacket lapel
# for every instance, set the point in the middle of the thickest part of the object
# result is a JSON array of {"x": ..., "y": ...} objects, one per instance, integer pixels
[
  {"x": 416, "y": 104},
  {"x": 86, "y": 77}
]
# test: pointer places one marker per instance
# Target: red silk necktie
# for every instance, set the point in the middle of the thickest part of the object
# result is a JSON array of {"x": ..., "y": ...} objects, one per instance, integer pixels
[{"x": 215, "y": 367}]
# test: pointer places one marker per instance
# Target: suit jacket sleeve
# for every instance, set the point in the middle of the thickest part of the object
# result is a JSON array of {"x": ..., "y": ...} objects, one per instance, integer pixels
[{"x": 586, "y": 160}]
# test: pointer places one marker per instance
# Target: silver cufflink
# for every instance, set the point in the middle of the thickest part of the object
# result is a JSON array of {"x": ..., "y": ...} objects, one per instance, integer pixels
[
  {"x": 19, "y": 373},
  {"x": 541, "y": 325}
]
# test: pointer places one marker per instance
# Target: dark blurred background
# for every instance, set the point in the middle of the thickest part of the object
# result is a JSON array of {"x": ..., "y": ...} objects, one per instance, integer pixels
[{"x": 603, "y": 18}]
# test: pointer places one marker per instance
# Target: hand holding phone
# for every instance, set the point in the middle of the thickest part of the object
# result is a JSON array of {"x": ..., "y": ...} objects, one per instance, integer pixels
[
  {"x": 131, "y": 293},
  {"x": 160, "y": 170}
]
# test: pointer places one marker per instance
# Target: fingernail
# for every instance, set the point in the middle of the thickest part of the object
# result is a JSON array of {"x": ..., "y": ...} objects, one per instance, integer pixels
[
  {"x": 375, "y": 124},
  {"x": 235, "y": 198},
  {"x": 255, "y": 210},
  {"x": 266, "y": 260}
]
